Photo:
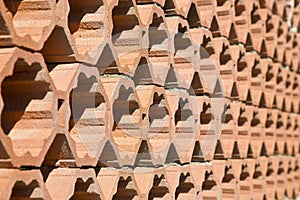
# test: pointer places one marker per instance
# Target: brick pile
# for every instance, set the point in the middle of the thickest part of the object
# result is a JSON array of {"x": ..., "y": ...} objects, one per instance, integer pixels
[{"x": 150, "y": 99}]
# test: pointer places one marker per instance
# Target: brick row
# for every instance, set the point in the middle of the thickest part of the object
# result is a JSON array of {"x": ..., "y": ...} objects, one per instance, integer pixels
[
  {"x": 273, "y": 177},
  {"x": 149, "y": 99}
]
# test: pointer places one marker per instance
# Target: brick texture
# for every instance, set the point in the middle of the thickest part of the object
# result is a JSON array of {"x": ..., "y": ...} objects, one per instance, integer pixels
[{"x": 150, "y": 99}]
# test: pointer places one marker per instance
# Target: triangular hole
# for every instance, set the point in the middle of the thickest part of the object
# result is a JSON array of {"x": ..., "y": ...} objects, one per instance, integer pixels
[
  {"x": 250, "y": 152},
  {"x": 193, "y": 17},
  {"x": 274, "y": 106},
  {"x": 233, "y": 37},
  {"x": 263, "y": 50},
  {"x": 172, "y": 156},
  {"x": 108, "y": 156},
  {"x": 169, "y": 7},
  {"x": 59, "y": 153},
  {"x": 57, "y": 48},
  {"x": 4, "y": 157},
  {"x": 234, "y": 92},
  {"x": 285, "y": 152},
  {"x": 197, "y": 153},
  {"x": 236, "y": 151},
  {"x": 142, "y": 75},
  {"x": 249, "y": 43},
  {"x": 219, "y": 154},
  {"x": 262, "y": 101},
  {"x": 275, "y": 56},
  {"x": 276, "y": 152},
  {"x": 263, "y": 151},
  {"x": 274, "y": 8},
  {"x": 249, "y": 98},
  {"x": 171, "y": 80},
  {"x": 196, "y": 87},
  {"x": 107, "y": 62},
  {"x": 214, "y": 27},
  {"x": 217, "y": 90},
  {"x": 143, "y": 158}
]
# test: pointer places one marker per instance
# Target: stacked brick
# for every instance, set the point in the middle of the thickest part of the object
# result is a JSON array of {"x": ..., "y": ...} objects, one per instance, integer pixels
[{"x": 150, "y": 99}]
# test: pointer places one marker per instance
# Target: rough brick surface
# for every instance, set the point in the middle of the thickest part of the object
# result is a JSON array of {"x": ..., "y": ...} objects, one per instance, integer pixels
[{"x": 150, "y": 99}]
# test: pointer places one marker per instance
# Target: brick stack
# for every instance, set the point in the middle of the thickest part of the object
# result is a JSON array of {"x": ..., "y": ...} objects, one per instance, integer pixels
[{"x": 150, "y": 99}]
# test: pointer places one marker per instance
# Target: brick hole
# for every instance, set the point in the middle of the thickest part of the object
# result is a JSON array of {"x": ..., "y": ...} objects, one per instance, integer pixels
[
  {"x": 185, "y": 186},
  {"x": 26, "y": 192},
  {"x": 158, "y": 115},
  {"x": 239, "y": 7},
  {"x": 184, "y": 120},
  {"x": 86, "y": 103},
  {"x": 84, "y": 190},
  {"x": 206, "y": 114},
  {"x": 193, "y": 17},
  {"x": 169, "y": 8},
  {"x": 209, "y": 187},
  {"x": 158, "y": 38},
  {"x": 255, "y": 17},
  {"x": 196, "y": 87},
  {"x": 126, "y": 30},
  {"x": 183, "y": 46},
  {"x": 142, "y": 75},
  {"x": 28, "y": 104},
  {"x": 126, "y": 111},
  {"x": 56, "y": 52},
  {"x": 159, "y": 189}
]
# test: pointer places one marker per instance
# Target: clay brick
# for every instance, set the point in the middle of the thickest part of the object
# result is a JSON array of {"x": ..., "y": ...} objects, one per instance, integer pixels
[
  {"x": 257, "y": 130},
  {"x": 35, "y": 112},
  {"x": 156, "y": 120},
  {"x": 228, "y": 133},
  {"x": 82, "y": 83},
  {"x": 183, "y": 58},
  {"x": 149, "y": 99},
  {"x": 87, "y": 25},
  {"x": 270, "y": 130},
  {"x": 159, "y": 188},
  {"x": 241, "y": 19},
  {"x": 186, "y": 188},
  {"x": 206, "y": 11},
  {"x": 243, "y": 126},
  {"x": 209, "y": 187},
  {"x": 126, "y": 37},
  {"x": 224, "y": 16},
  {"x": 125, "y": 117},
  {"x": 25, "y": 184},
  {"x": 73, "y": 183},
  {"x": 256, "y": 22},
  {"x": 183, "y": 123},
  {"x": 258, "y": 183},
  {"x": 21, "y": 27}
]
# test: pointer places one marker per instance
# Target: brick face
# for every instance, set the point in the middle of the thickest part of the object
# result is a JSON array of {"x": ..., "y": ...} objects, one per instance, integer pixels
[{"x": 149, "y": 99}]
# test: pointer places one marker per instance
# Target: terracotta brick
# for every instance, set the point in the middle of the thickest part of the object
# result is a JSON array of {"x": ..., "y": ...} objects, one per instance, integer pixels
[
  {"x": 18, "y": 184},
  {"x": 149, "y": 99},
  {"x": 73, "y": 183},
  {"x": 206, "y": 9},
  {"x": 244, "y": 124},
  {"x": 241, "y": 19},
  {"x": 34, "y": 112},
  {"x": 22, "y": 28}
]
